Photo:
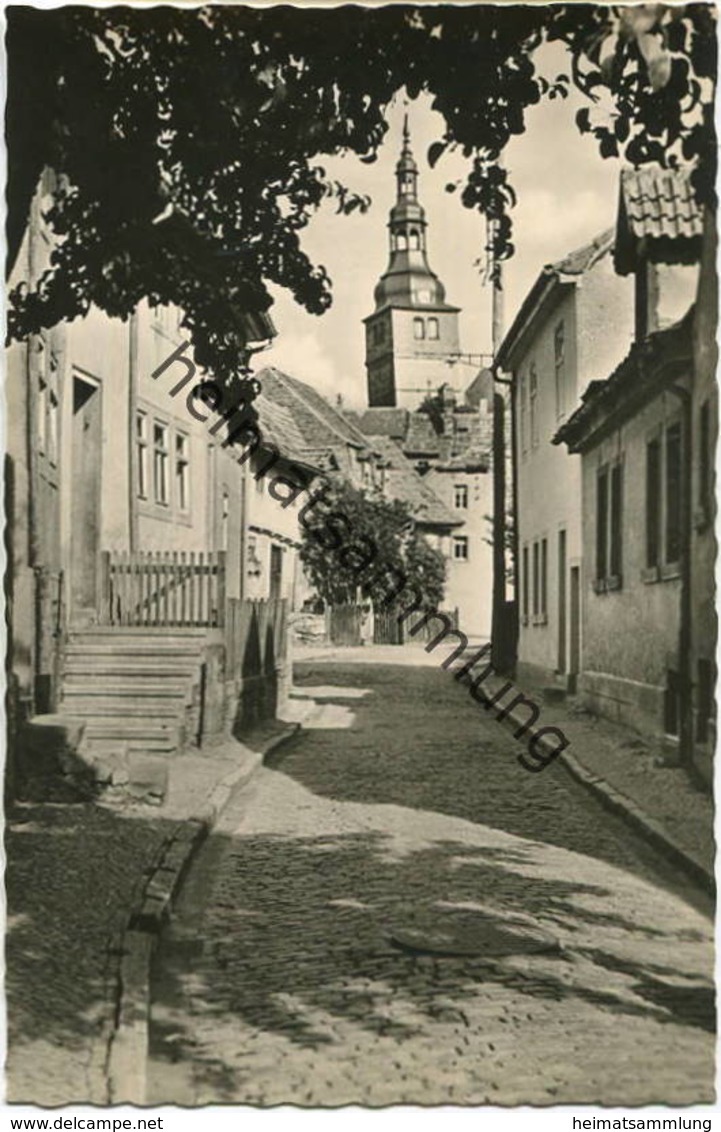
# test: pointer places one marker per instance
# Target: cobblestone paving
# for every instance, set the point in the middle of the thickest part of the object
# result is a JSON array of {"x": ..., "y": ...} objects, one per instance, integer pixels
[
  {"x": 70, "y": 875},
  {"x": 404, "y": 809}
]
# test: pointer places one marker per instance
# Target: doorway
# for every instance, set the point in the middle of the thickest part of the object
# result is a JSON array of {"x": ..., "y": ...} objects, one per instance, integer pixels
[
  {"x": 575, "y": 629},
  {"x": 276, "y": 571},
  {"x": 85, "y": 500},
  {"x": 561, "y": 665}
]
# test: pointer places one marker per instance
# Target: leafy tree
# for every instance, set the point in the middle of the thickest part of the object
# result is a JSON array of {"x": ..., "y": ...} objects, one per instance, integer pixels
[
  {"x": 426, "y": 568},
  {"x": 185, "y": 142},
  {"x": 354, "y": 542},
  {"x": 432, "y": 406}
]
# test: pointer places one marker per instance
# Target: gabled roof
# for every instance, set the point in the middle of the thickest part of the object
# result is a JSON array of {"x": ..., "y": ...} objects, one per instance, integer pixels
[
  {"x": 405, "y": 484},
  {"x": 277, "y": 426},
  {"x": 320, "y": 424},
  {"x": 657, "y": 209},
  {"x": 564, "y": 271},
  {"x": 380, "y": 422}
]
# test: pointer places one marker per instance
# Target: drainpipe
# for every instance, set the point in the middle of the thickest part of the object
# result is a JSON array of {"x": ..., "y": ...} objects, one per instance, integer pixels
[
  {"x": 685, "y": 636},
  {"x": 243, "y": 531},
  {"x": 513, "y": 643},
  {"x": 132, "y": 447}
]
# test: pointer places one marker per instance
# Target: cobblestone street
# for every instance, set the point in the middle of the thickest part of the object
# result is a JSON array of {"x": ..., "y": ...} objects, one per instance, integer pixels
[{"x": 401, "y": 811}]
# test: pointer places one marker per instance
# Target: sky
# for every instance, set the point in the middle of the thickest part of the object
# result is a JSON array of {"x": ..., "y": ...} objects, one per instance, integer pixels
[{"x": 567, "y": 194}]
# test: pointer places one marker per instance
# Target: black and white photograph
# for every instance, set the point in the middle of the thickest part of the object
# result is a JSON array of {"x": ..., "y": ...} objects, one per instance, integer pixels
[{"x": 360, "y": 424}]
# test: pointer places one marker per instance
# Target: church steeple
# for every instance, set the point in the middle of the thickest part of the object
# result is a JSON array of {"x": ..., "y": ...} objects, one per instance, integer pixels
[
  {"x": 413, "y": 331},
  {"x": 408, "y": 279}
]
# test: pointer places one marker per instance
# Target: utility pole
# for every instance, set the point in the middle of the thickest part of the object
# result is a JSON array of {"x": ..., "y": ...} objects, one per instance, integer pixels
[{"x": 500, "y": 653}]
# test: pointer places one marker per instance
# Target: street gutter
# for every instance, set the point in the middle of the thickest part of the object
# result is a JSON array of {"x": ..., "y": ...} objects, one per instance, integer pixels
[{"x": 127, "y": 1053}]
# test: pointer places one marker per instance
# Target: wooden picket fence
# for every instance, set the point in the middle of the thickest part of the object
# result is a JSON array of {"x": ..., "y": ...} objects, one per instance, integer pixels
[
  {"x": 163, "y": 588},
  {"x": 255, "y": 637}
]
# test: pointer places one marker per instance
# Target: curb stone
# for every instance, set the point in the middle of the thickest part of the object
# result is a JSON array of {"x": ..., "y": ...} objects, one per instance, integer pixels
[
  {"x": 623, "y": 806},
  {"x": 128, "y": 1044},
  {"x": 620, "y": 804}
]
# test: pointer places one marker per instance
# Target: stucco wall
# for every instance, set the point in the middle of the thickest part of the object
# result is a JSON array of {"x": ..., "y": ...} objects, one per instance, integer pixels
[
  {"x": 98, "y": 347},
  {"x": 469, "y": 584},
  {"x": 704, "y": 545},
  {"x": 630, "y": 634},
  {"x": 549, "y": 480},
  {"x": 420, "y": 364},
  {"x": 597, "y": 314},
  {"x": 605, "y": 321}
]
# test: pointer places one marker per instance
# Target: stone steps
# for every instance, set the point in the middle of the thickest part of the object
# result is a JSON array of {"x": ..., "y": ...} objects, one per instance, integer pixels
[{"x": 131, "y": 687}]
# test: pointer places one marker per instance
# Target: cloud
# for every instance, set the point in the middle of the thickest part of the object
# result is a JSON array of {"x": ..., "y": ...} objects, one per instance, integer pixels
[{"x": 302, "y": 355}]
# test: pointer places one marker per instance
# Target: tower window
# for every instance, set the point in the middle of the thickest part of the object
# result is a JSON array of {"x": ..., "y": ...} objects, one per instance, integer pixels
[
  {"x": 433, "y": 328},
  {"x": 419, "y": 328},
  {"x": 401, "y": 242},
  {"x": 414, "y": 241}
]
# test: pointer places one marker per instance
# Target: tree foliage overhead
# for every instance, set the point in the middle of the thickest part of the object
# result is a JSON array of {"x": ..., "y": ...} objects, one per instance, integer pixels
[
  {"x": 355, "y": 541},
  {"x": 186, "y": 143}
]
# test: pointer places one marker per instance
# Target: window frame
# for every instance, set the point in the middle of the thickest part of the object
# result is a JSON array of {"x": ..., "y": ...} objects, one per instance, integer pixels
[
  {"x": 419, "y": 329},
  {"x": 181, "y": 470},
  {"x": 141, "y": 450},
  {"x": 460, "y": 542},
  {"x": 525, "y": 588},
  {"x": 161, "y": 461},
  {"x": 533, "y": 406},
  {"x": 523, "y": 415},
  {"x": 433, "y": 329},
  {"x": 669, "y": 554},
  {"x": 673, "y": 493},
  {"x": 654, "y": 501},
  {"x": 460, "y": 490},
  {"x": 608, "y": 567},
  {"x": 559, "y": 367},
  {"x": 705, "y": 482}
]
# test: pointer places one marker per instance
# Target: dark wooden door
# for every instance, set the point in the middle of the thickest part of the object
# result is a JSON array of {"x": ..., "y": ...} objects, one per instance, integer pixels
[
  {"x": 561, "y": 667},
  {"x": 85, "y": 500},
  {"x": 575, "y": 628},
  {"x": 276, "y": 572}
]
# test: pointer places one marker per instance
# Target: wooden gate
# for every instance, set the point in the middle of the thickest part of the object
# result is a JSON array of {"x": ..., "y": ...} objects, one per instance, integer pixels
[
  {"x": 345, "y": 624},
  {"x": 387, "y": 630}
]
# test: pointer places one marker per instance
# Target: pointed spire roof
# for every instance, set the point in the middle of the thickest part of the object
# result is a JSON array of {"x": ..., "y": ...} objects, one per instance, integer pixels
[{"x": 408, "y": 280}]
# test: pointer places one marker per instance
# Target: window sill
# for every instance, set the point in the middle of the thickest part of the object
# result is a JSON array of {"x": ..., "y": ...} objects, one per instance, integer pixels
[
  {"x": 540, "y": 619},
  {"x": 653, "y": 574},
  {"x": 607, "y": 585},
  {"x": 669, "y": 572},
  {"x": 164, "y": 513}
]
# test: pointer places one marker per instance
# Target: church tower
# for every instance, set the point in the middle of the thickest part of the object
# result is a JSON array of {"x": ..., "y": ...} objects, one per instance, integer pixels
[{"x": 413, "y": 330}]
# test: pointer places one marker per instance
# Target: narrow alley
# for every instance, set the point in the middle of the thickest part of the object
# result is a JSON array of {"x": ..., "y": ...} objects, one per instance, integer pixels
[{"x": 393, "y": 910}]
